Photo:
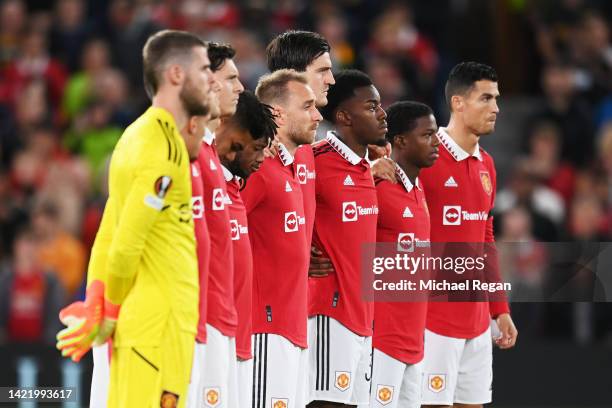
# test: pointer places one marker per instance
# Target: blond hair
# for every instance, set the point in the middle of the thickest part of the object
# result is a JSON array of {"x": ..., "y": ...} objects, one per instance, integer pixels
[{"x": 273, "y": 88}]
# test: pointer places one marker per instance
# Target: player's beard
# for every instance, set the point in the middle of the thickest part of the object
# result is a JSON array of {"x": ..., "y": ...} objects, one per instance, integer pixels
[
  {"x": 300, "y": 134},
  {"x": 382, "y": 142},
  {"x": 191, "y": 102}
]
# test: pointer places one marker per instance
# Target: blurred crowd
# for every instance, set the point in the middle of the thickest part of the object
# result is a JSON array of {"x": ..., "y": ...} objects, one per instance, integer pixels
[{"x": 71, "y": 81}]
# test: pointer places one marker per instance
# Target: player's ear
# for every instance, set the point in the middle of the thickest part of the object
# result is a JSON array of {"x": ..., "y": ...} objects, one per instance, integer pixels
[
  {"x": 457, "y": 103},
  {"x": 343, "y": 117},
  {"x": 279, "y": 114},
  {"x": 175, "y": 74},
  {"x": 399, "y": 141},
  {"x": 193, "y": 125}
]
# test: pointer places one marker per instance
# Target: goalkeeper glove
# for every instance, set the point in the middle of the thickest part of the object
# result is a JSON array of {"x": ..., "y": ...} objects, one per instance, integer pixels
[
  {"x": 83, "y": 321},
  {"x": 109, "y": 322}
]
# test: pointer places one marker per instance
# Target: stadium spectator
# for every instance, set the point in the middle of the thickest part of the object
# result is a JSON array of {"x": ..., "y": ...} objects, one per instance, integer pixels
[
  {"x": 57, "y": 250},
  {"x": 12, "y": 21},
  {"x": 69, "y": 32},
  {"x": 33, "y": 63},
  {"x": 545, "y": 205},
  {"x": 544, "y": 156},
  {"x": 30, "y": 297}
]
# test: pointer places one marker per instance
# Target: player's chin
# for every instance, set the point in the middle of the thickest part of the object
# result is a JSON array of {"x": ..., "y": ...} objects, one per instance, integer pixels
[
  {"x": 379, "y": 140},
  {"x": 321, "y": 100},
  {"x": 428, "y": 162},
  {"x": 310, "y": 136},
  {"x": 488, "y": 128}
]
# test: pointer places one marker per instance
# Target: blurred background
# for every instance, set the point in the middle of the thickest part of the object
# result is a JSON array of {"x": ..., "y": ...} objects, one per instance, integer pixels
[{"x": 71, "y": 81}]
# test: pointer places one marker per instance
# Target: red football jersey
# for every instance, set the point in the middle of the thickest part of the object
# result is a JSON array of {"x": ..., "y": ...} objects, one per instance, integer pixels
[
  {"x": 306, "y": 175},
  {"x": 403, "y": 217},
  {"x": 243, "y": 266},
  {"x": 281, "y": 254},
  {"x": 347, "y": 211},
  {"x": 221, "y": 313},
  {"x": 460, "y": 190},
  {"x": 202, "y": 242}
]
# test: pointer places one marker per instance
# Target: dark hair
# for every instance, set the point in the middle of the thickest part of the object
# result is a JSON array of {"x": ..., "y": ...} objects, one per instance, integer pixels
[
  {"x": 402, "y": 117},
  {"x": 463, "y": 76},
  {"x": 253, "y": 116},
  {"x": 218, "y": 53},
  {"x": 295, "y": 50},
  {"x": 347, "y": 81},
  {"x": 162, "y": 47}
]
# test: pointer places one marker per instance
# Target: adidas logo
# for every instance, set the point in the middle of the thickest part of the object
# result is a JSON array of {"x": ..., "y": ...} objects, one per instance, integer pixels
[
  {"x": 451, "y": 182},
  {"x": 288, "y": 187},
  {"x": 407, "y": 213},
  {"x": 348, "y": 181},
  {"x": 212, "y": 165}
]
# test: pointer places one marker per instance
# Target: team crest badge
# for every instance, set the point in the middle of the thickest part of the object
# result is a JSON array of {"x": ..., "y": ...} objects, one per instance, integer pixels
[
  {"x": 486, "y": 182},
  {"x": 384, "y": 394},
  {"x": 168, "y": 400},
  {"x": 343, "y": 380},
  {"x": 437, "y": 382},
  {"x": 212, "y": 396},
  {"x": 280, "y": 402}
]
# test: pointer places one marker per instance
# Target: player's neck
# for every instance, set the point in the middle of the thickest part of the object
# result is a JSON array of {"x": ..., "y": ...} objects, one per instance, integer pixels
[
  {"x": 213, "y": 125},
  {"x": 409, "y": 168},
  {"x": 173, "y": 106},
  {"x": 287, "y": 142},
  {"x": 351, "y": 142},
  {"x": 462, "y": 135}
]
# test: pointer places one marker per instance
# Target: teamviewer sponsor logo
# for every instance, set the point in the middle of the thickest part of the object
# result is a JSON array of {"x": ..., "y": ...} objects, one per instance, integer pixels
[
  {"x": 349, "y": 211},
  {"x": 217, "y": 199},
  {"x": 197, "y": 204},
  {"x": 235, "y": 229},
  {"x": 303, "y": 174},
  {"x": 405, "y": 242},
  {"x": 451, "y": 215},
  {"x": 293, "y": 221}
]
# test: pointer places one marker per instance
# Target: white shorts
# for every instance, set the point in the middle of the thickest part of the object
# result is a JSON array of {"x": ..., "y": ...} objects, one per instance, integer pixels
[
  {"x": 280, "y": 372},
  {"x": 457, "y": 370},
  {"x": 245, "y": 383},
  {"x": 214, "y": 380},
  {"x": 340, "y": 362},
  {"x": 100, "y": 378},
  {"x": 394, "y": 383}
]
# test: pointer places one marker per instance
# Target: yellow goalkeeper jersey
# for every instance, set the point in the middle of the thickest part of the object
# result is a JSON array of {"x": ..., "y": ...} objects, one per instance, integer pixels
[{"x": 147, "y": 231}]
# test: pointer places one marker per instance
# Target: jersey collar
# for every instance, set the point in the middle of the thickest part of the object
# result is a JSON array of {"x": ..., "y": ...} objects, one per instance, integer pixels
[
  {"x": 227, "y": 174},
  {"x": 454, "y": 149},
  {"x": 343, "y": 150},
  {"x": 283, "y": 154},
  {"x": 209, "y": 137},
  {"x": 405, "y": 180}
]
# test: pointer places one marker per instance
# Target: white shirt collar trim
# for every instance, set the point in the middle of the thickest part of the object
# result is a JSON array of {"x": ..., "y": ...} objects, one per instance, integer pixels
[
  {"x": 209, "y": 137},
  {"x": 405, "y": 180},
  {"x": 454, "y": 149},
  {"x": 342, "y": 149},
  {"x": 227, "y": 174},
  {"x": 285, "y": 156}
]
